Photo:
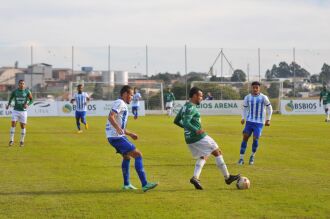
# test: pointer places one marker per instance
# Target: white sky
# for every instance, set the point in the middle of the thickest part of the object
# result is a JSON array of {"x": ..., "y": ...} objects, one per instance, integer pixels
[{"x": 235, "y": 24}]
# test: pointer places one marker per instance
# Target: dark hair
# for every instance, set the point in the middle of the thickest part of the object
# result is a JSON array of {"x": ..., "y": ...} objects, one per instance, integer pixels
[
  {"x": 193, "y": 91},
  {"x": 125, "y": 89},
  {"x": 256, "y": 83},
  {"x": 79, "y": 85},
  {"x": 20, "y": 81}
]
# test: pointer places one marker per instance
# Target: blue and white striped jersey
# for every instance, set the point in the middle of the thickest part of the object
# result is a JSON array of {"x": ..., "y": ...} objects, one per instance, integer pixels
[
  {"x": 121, "y": 110},
  {"x": 136, "y": 99},
  {"x": 81, "y": 101},
  {"x": 254, "y": 108}
]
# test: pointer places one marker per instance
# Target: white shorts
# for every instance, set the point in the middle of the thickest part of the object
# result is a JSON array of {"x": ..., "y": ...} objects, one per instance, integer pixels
[
  {"x": 169, "y": 104},
  {"x": 20, "y": 116},
  {"x": 326, "y": 106},
  {"x": 203, "y": 147}
]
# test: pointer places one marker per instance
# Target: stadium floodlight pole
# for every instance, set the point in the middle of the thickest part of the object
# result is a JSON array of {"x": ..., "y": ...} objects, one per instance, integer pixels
[
  {"x": 31, "y": 79},
  {"x": 185, "y": 67},
  {"x": 259, "y": 64},
  {"x": 72, "y": 62},
  {"x": 147, "y": 73},
  {"x": 248, "y": 72},
  {"x": 109, "y": 61},
  {"x": 221, "y": 77},
  {"x": 294, "y": 72},
  {"x": 215, "y": 61},
  {"x": 109, "y": 69}
]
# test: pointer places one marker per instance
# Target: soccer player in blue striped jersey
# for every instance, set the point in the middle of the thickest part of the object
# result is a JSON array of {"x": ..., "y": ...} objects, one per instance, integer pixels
[
  {"x": 257, "y": 111},
  {"x": 116, "y": 133},
  {"x": 81, "y": 98}
]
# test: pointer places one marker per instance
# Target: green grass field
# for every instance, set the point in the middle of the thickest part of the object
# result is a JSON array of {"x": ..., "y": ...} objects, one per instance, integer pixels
[{"x": 63, "y": 174}]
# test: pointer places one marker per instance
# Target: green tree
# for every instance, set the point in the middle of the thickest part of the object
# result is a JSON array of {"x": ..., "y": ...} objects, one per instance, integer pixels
[
  {"x": 325, "y": 74},
  {"x": 273, "y": 90},
  {"x": 243, "y": 91},
  {"x": 98, "y": 92},
  {"x": 238, "y": 76},
  {"x": 179, "y": 90}
]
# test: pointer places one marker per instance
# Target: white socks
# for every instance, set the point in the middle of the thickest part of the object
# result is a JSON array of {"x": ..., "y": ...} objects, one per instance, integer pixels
[
  {"x": 23, "y": 135},
  {"x": 222, "y": 166},
  {"x": 241, "y": 156},
  {"x": 198, "y": 167},
  {"x": 12, "y": 133}
]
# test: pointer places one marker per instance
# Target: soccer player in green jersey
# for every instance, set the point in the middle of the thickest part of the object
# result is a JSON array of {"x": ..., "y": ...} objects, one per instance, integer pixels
[
  {"x": 22, "y": 98},
  {"x": 169, "y": 101},
  {"x": 200, "y": 144},
  {"x": 325, "y": 99}
]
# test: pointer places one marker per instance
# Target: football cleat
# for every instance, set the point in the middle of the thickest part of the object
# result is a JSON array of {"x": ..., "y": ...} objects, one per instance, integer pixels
[
  {"x": 79, "y": 131},
  {"x": 86, "y": 126},
  {"x": 232, "y": 178},
  {"x": 251, "y": 161},
  {"x": 240, "y": 162},
  {"x": 149, "y": 186},
  {"x": 196, "y": 182},
  {"x": 129, "y": 187},
  {"x": 21, "y": 144},
  {"x": 11, "y": 143}
]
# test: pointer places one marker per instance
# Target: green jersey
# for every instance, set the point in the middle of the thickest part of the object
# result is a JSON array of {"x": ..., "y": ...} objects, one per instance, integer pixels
[
  {"x": 328, "y": 98},
  {"x": 324, "y": 96},
  {"x": 20, "y": 97},
  {"x": 190, "y": 119},
  {"x": 169, "y": 97}
]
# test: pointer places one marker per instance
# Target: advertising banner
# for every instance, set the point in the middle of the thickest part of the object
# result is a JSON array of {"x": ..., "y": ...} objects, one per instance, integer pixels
[
  {"x": 215, "y": 107},
  {"x": 65, "y": 108},
  {"x": 301, "y": 107}
]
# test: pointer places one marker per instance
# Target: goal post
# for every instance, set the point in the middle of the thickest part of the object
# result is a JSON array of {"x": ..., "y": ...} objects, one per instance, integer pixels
[{"x": 238, "y": 90}]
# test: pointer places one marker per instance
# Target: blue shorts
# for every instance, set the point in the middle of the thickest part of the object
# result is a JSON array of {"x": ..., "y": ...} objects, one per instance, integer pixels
[
  {"x": 122, "y": 145},
  {"x": 135, "y": 108},
  {"x": 254, "y": 127},
  {"x": 80, "y": 114}
]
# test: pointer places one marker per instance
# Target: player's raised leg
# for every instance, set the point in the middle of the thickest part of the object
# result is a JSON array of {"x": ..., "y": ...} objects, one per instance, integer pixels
[
  {"x": 220, "y": 162},
  {"x": 137, "y": 155}
]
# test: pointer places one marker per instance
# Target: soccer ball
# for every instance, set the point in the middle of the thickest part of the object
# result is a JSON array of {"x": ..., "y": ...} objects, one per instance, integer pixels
[{"x": 243, "y": 183}]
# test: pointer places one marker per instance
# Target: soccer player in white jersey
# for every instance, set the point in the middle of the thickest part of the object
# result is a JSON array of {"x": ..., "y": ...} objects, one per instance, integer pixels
[
  {"x": 136, "y": 102},
  {"x": 81, "y": 98},
  {"x": 255, "y": 115},
  {"x": 116, "y": 133}
]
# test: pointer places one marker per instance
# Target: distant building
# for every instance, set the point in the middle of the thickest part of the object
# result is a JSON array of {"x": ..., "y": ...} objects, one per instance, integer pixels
[
  {"x": 8, "y": 75},
  {"x": 41, "y": 68},
  {"x": 136, "y": 76}
]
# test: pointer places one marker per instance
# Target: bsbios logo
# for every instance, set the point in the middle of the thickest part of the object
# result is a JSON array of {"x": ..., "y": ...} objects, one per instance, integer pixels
[
  {"x": 67, "y": 108},
  {"x": 291, "y": 106}
]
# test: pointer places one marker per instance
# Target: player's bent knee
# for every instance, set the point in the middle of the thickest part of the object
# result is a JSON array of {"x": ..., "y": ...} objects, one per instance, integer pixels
[{"x": 216, "y": 152}]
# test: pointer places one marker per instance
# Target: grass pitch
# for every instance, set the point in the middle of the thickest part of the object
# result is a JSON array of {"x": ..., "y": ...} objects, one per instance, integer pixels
[{"x": 63, "y": 174}]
